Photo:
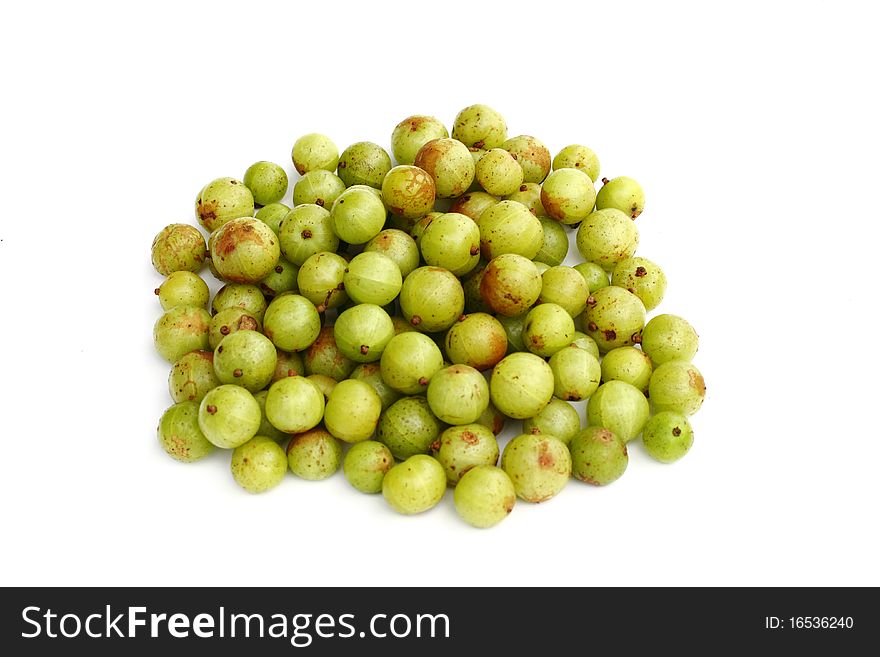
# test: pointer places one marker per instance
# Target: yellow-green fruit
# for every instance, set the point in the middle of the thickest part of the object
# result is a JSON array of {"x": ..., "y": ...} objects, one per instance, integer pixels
[
  {"x": 352, "y": 411},
  {"x": 314, "y": 455},
  {"x": 463, "y": 447},
  {"x": 558, "y": 418},
  {"x": 576, "y": 373},
  {"x": 192, "y": 376},
  {"x": 180, "y": 435},
  {"x": 566, "y": 287},
  {"x": 539, "y": 466},
  {"x": 521, "y": 385},
  {"x": 178, "y": 247},
  {"x": 480, "y": 126},
  {"x": 667, "y": 436},
  {"x": 458, "y": 394},
  {"x": 606, "y": 237},
  {"x": 485, "y": 496},
  {"x": 449, "y": 163},
  {"x": 229, "y": 416},
  {"x": 643, "y": 278},
  {"x": 669, "y": 337},
  {"x": 314, "y": 151},
  {"x": 614, "y": 318},
  {"x": 245, "y": 250},
  {"x": 267, "y": 182},
  {"x": 294, "y": 404},
  {"x": 181, "y": 330},
  {"x": 627, "y": 364},
  {"x": 598, "y": 456},
  {"x": 183, "y": 288},
  {"x": 678, "y": 386},
  {"x": 532, "y": 155},
  {"x": 431, "y": 299},
  {"x": 415, "y": 485},
  {"x": 473, "y": 204},
  {"x": 568, "y": 195},
  {"x": 412, "y": 133},
  {"x": 498, "y": 172},
  {"x": 509, "y": 227},
  {"x": 365, "y": 465},
  {"x": 579, "y": 157},
  {"x": 222, "y": 200},
  {"x": 259, "y": 464},
  {"x": 620, "y": 407},
  {"x": 510, "y": 285},
  {"x": 408, "y": 191},
  {"x": 621, "y": 193},
  {"x": 318, "y": 187}
]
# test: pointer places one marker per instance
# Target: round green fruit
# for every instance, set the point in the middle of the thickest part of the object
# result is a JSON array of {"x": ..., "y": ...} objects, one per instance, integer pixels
[
  {"x": 521, "y": 385},
  {"x": 294, "y": 404},
  {"x": 362, "y": 332},
  {"x": 178, "y": 247},
  {"x": 643, "y": 278},
  {"x": 568, "y": 195},
  {"x": 259, "y": 464},
  {"x": 246, "y": 359},
  {"x": 412, "y": 133},
  {"x": 532, "y": 156},
  {"x": 463, "y": 447},
  {"x": 627, "y": 364},
  {"x": 678, "y": 386},
  {"x": 578, "y": 157},
  {"x": 458, "y": 394},
  {"x": 478, "y": 340},
  {"x": 314, "y": 455},
  {"x": 365, "y": 466},
  {"x": 229, "y": 416},
  {"x": 180, "y": 435},
  {"x": 606, "y": 237},
  {"x": 314, "y": 151},
  {"x": 485, "y": 496},
  {"x": 181, "y": 330},
  {"x": 245, "y": 250},
  {"x": 539, "y": 466},
  {"x": 548, "y": 328},
  {"x": 291, "y": 322},
  {"x": 669, "y": 337},
  {"x": 408, "y": 191},
  {"x": 509, "y": 227},
  {"x": 614, "y": 318},
  {"x": 267, "y": 182},
  {"x": 576, "y": 373},
  {"x": 558, "y": 419},
  {"x": 409, "y": 361},
  {"x": 364, "y": 163},
  {"x": 479, "y": 126},
  {"x": 431, "y": 299},
  {"x": 222, "y": 200},
  {"x": 409, "y": 427},
  {"x": 667, "y": 436},
  {"x": 449, "y": 163},
  {"x": 372, "y": 278},
  {"x": 451, "y": 241},
  {"x": 415, "y": 485},
  {"x": 192, "y": 376},
  {"x": 623, "y": 194},
  {"x": 318, "y": 187},
  {"x": 352, "y": 411},
  {"x": 619, "y": 407},
  {"x": 598, "y": 456},
  {"x": 510, "y": 285}
]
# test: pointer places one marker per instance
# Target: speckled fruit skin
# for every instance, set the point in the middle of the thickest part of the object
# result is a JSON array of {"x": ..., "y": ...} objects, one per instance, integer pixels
[
  {"x": 620, "y": 407},
  {"x": 228, "y": 321},
  {"x": 179, "y": 433},
  {"x": 532, "y": 156},
  {"x": 628, "y": 364},
  {"x": 222, "y": 200},
  {"x": 493, "y": 419},
  {"x": 398, "y": 246},
  {"x": 409, "y": 361},
  {"x": 272, "y": 214},
  {"x": 412, "y": 133},
  {"x": 246, "y": 359},
  {"x": 318, "y": 187},
  {"x": 431, "y": 299},
  {"x": 643, "y": 278},
  {"x": 181, "y": 330},
  {"x": 554, "y": 245},
  {"x": 575, "y": 156},
  {"x": 245, "y": 250},
  {"x": 306, "y": 230},
  {"x": 463, "y": 447},
  {"x": 365, "y": 466},
  {"x": 565, "y": 287},
  {"x": 408, "y": 191},
  {"x": 606, "y": 237},
  {"x": 621, "y": 193},
  {"x": 558, "y": 419},
  {"x": 539, "y": 466},
  {"x": 409, "y": 427},
  {"x": 479, "y": 126},
  {"x": 584, "y": 341},
  {"x": 267, "y": 182},
  {"x": 294, "y": 404},
  {"x": 547, "y": 329},
  {"x": 473, "y": 204},
  {"x": 281, "y": 279},
  {"x": 509, "y": 227},
  {"x": 449, "y": 163},
  {"x": 678, "y": 386},
  {"x": 324, "y": 357},
  {"x": 669, "y": 337},
  {"x": 357, "y": 215},
  {"x": 568, "y": 195},
  {"x": 192, "y": 376},
  {"x": 510, "y": 285},
  {"x": 667, "y": 436},
  {"x": 247, "y": 297},
  {"x": 325, "y": 384},
  {"x": 291, "y": 322},
  {"x": 320, "y": 280},
  {"x": 498, "y": 172},
  {"x": 521, "y": 385},
  {"x": 484, "y": 497},
  {"x": 352, "y": 411},
  {"x": 614, "y": 318},
  {"x": 288, "y": 364},
  {"x": 513, "y": 327},
  {"x": 229, "y": 416},
  {"x": 529, "y": 194},
  {"x": 372, "y": 278},
  {"x": 364, "y": 163},
  {"x": 266, "y": 428},
  {"x": 414, "y": 486},
  {"x": 598, "y": 456},
  {"x": 314, "y": 455},
  {"x": 478, "y": 340},
  {"x": 371, "y": 374},
  {"x": 458, "y": 394},
  {"x": 258, "y": 465},
  {"x": 595, "y": 276},
  {"x": 451, "y": 241},
  {"x": 576, "y": 373},
  {"x": 314, "y": 151},
  {"x": 183, "y": 288},
  {"x": 178, "y": 247},
  {"x": 362, "y": 332}
]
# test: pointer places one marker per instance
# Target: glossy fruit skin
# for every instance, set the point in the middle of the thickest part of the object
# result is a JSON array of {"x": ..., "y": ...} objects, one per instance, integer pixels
[
  {"x": 371, "y": 374},
  {"x": 258, "y": 465},
  {"x": 598, "y": 456},
  {"x": 192, "y": 376},
  {"x": 409, "y": 361},
  {"x": 594, "y": 275},
  {"x": 575, "y": 156},
  {"x": 362, "y": 332},
  {"x": 229, "y": 321},
  {"x": 246, "y": 297},
  {"x": 431, "y": 299},
  {"x": 576, "y": 373},
  {"x": 509, "y": 227},
  {"x": 291, "y": 322},
  {"x": 365, "y": 466},
  {"x": 357, "y": 216},
  {"x": 229, "y": 416},
  {"x": 558, "y": 419},
  {"x": 498, "y": 172},
  {"x": 461, "y": 448},
  {"x": 480, "y": 126},
  {"x": 272, "y": 214},
  {"x": 181, "y": 330},
  {"x": 352, "y": 411},
  {"x": 411, "y": 134},
  {"x": 221, "y": 200},
  {"x": 314, "y": 151},
  {"x": 324, "y": 357},
  {"x": 178, "y": 247},
  {"x": 606, "y": 237},
  {"x": 318, "y": 187},
  {"x": 179, "y": 433},
  {"x": 568, "y": 195},
  {"x": 266, "y": 428},
  {"x": 306, "y": 230},
  {"x": 484, "y": 497},
  {"x": 409, "y": 427},
  {"x": 398, "y": 246},
  {"x": 539, "y": 466},
  {"x": 532, "y": 156},
  {"x": 529, "y": 194},
  {"x": 473, "y": 300},
  {"x": 584, "y": 341},
  {"x": 320, "y": 280},
  {"x": 493, "y": 419},
  {"x": 246, "y": 359},
  {"x": 669, "y": 337},
  {"x": 458, "y": 394},
  {"x": 547, "y": 329},
  {"x": 372, "y": 278},
  {"x": 643, "y": 278},
  {"x": 294, "y": 404},
  {"x": 183, "y": 288},
  {"x": 267, "y": 182},
  {"x": 287, "y": 364},
  {"x": 521, "y": 385},
  {"x": 408, "y": 191},
  {"x": 281, "y": 279},
  {"x": 510, "y": 285},
  {"x": 628, "y": 364},
  {"x": 414, "y": 486},
  {"x": 451, "y": 241},
  {"x": 614, "y": 318},
  {"x": 314, "y": 455},
  {"x": 478, "y": 340},
  {"x": 473, "y": 204},
  {"x": 619, "y": 407},
  {"x": 677, "y": 386},
  {"x": 554, "y": 245},
  {"x": 244, "y": 250},
  {"x": 325, "y": 384},
  {"x": 565, "y": 287},
  {"x": 364, "y": 163},
  {"x": 450, "y": 165},
  {"x": 667, "y": 436},
  {"x": 621, "y": 193}
]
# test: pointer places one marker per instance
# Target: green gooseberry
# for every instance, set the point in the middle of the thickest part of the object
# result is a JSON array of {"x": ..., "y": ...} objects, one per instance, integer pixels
[
  {"x": 541, "y": 267},
  {"x": 306, "y": 231},
  {"x": 473, "y": 204},
  {"x": 409, "y": 361},
  {"x": 266, "y": 427},
  {"x": 478, "y": 340},
  {"x": 547, "y": 329},
  {"x": 529, "y": 194},
  {"x": 449, "y": 163},
  {"x": 320, "y": 280},
  {"x": 458, "y": 394},
  {"x": 291, "y": 322},
  {"x": 401, "y": 325},
  {"x": 325, "y": 357},
  {"x": 244, "y": 250},
  {"x": 621, "y": 193},
  {"x": 595, "y": 276},
  {"x": 485, "y": 496},
  {"x": 183, "y": 288},
  {"x": 627, "y": 364},
  {"x": 362, "y": 332},
  {"x": 408, "y": 191},
  {"x": 614, "y": 317},
  {"x": 272, "y": 215},
  {"x": 498, "y": 172},
  {"x": 371, "y": 374},
  {"x": 667, "y": 436},
  {"x": 294, "y": 404},
  {"x": 409, "y": 427},
  {"x": 565, "y": 287},
  {"x": 314, "y": 151},
  {"x": 620, "y": 407},
  {"x": 357, "y": 216},
  {"x": 521, "y": 385},
  {"x": 364, "y": 163},
  {"x": 558, "y": 418},
  {"x": 643, "y": 278},
  {"x": 318, "y": 187},
  {"x": 372, "y": 278},
  {"x": 511, "y": 284},
  {"x": 431, "y": 299},
  {"x": 568, "y": 195},
  {"x": 192, "y": 376},
  {"x": 421, "y": 226},
  {"x": 598, "y": 456},
  {"x": 222, "y": 200},
  {"x": 314, "y": 455},
  {"x": 245, "y": 358},
  {"x": 479, "y": 126},
  {"x": 584, "y": 341},
  {"x": 509, "y": 227},
  {"x": 258, "y": 465},
  {"x": 179, "y": 433},
  {"x": 365, "y": 465},
  {"x": 178, "y": 247},
  {"x": 576, "y": 373},
  {"x": 451, "y": 241},
  {"x": 669, "y": 337},
  {"x": 463, "y": 447},
  {"x": 532, "y": 155},
  {"x": 492, "y": 419},
  {"x": 287, "y": 364},
  {"x": 267, "y": 182},
  {"x": 247, "y": 297},
  {"x": 352, "y": 411},
  {"x": 412, "y": 133},
  {"x": 229, "y": 416},
  {"x": 554, "y": 246},
  {"x": 538, "y": 465},
  {"x": 181, "y": 330},
  {"x": 398, "y": 246},
  {"x": 470, "y": 284},
  {"x": 606, "y": 237},
  {"x": 414, "y": 486},
  {"x": 325, "y": 384},
  {"x": 678, "y": 386},
  {"x": 513, "y": 328},
  {"x": 281, "y": 279},
  {"x": 575, "y": 156}
]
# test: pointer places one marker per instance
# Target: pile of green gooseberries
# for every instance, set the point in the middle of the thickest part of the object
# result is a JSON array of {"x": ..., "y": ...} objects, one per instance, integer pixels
[{"x": 411, "y": 303}]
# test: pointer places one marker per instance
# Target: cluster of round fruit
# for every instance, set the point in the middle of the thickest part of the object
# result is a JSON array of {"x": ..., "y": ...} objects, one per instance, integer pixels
[{"x": 410, "y": 310}]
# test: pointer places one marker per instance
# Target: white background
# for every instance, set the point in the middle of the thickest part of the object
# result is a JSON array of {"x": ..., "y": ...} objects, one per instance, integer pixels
[{"x": 752, "y": 127}]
